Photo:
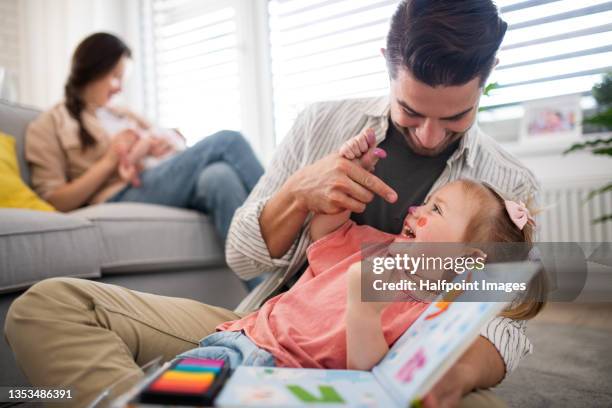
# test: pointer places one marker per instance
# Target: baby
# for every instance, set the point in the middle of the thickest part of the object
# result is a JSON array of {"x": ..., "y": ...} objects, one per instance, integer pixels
[
  {"x": 153, "y": 144},
  {"x": 321, "y": 322},
  {"x": 150, "y": 148}
]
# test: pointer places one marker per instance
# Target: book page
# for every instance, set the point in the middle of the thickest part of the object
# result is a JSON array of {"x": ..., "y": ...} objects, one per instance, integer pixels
[
  {"x": 442, "y": 333},
  {"x": 435, "y": 341},
  {"x": 299, "y": 387}
]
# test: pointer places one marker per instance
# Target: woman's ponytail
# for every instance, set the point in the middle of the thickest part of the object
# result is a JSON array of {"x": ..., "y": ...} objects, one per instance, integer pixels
[
  {"x": 75, "y": 106},
  {"x": 93, "y": 58}
]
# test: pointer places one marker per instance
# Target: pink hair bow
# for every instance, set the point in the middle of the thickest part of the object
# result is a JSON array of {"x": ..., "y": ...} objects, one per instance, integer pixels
[{"x": 519, "y": 214}]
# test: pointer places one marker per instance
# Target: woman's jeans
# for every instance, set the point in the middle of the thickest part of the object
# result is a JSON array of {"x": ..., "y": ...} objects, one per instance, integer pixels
[
  {"x": 214, "y": 176},
  {"x": 232, "y": 346}
]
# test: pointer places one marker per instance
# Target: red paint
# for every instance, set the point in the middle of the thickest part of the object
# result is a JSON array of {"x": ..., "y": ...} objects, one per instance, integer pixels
[{"x": 421, "y": 222}]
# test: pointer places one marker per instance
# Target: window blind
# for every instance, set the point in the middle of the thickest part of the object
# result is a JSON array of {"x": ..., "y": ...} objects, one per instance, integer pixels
[
  {"x": 552, "y": 48},
  {"x": 330, "y": 49},
  {"x": 191, "y": 57},
  {"x": 324, "y": 50}
]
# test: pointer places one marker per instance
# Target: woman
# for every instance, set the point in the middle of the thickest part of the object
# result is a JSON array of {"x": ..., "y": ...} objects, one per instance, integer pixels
[{"x": 75, "y": 148}]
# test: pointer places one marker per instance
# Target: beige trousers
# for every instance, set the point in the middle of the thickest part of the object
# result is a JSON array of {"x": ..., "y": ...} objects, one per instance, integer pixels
[{"x": 86, "y": 336}]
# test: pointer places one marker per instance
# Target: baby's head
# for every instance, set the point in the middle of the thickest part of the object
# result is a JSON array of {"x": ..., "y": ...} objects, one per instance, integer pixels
[
  {"x": 463, "y": 211},
  {"x": 471, "y": 212}
]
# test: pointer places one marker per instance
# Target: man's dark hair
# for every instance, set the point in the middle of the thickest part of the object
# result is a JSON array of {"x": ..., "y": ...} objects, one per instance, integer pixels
[{"x": 445, "y": 42}]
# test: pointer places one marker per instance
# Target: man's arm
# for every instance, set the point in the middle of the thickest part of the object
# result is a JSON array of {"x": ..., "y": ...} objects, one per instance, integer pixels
[
  {"x": 481, "y": 366},
  {"x": 329, "y": 186},
  {"x": 267, "y": 229},
  {"x": 490, "y": 359}
]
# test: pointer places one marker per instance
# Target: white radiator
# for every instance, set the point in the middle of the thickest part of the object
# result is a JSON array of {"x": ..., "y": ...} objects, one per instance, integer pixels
[{"x": 568, "y": 217}]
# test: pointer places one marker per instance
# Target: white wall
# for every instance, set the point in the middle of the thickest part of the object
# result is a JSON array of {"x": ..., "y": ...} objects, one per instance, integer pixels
[{"x": 9, "y": 48}]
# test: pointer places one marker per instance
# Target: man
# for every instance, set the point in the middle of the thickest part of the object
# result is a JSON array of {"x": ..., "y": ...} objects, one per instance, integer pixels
[
  {"x": 87, "y": 335},
  {"x": 439, "y": 55}
]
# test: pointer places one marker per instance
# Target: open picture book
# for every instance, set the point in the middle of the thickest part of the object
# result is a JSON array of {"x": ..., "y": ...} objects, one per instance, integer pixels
[{"x": 416, "y": 361}]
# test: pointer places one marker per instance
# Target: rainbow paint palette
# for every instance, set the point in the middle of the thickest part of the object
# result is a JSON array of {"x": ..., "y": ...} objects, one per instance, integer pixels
[{"x": 188, "y": 381}]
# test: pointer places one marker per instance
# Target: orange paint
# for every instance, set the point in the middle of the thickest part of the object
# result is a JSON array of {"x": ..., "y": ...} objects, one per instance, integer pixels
[
  {"x": 421, "y": 222},
  {"x": 442, "y": 306},
  {"x": 447, "y": 299}
]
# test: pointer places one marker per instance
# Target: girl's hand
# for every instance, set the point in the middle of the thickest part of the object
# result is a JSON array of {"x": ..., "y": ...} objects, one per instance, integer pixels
[
  {"x": 357, "y": 146},
  {"x": 362, "y": 148}
]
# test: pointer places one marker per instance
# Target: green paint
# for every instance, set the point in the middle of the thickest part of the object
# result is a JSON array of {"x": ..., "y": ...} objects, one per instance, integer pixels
[{"x": 328, "y": 395}]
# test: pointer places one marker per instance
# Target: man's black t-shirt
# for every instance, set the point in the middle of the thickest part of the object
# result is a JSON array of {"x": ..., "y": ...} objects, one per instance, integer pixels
[{"x": 409, "y": 174}]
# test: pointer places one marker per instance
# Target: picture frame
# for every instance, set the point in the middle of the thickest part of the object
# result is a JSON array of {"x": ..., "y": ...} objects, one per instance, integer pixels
[{"x": 555, "y": 120}]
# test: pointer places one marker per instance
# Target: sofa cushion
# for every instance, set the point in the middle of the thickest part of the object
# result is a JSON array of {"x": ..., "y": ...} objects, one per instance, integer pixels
[
  {"x": 137, "y": 237},
  {"x": 14, "y": 193},
  {"x": 43, "y": 245},
  {"x": 14, "y": 120}
]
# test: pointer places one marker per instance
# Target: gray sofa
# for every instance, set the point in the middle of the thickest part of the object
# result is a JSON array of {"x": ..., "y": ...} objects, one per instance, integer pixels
[{"x": 144, "y": 247}]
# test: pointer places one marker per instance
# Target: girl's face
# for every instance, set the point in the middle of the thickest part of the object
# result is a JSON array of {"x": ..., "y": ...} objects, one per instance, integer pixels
[
  {"x": 443, "y": 218},
  {"x": 99, "y": 92}
]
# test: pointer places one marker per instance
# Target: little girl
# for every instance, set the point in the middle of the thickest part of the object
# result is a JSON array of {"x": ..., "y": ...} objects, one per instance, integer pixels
[{"x": 318, "y": 323}]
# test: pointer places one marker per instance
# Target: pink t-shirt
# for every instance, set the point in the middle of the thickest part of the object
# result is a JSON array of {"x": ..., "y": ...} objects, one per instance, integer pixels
[{"x": 305, "y": 326}]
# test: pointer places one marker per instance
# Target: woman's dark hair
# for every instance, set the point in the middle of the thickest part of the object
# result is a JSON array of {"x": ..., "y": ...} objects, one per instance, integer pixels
[
  {"x": 93, "y": 58},
  {"x": 445, "y": 42}
]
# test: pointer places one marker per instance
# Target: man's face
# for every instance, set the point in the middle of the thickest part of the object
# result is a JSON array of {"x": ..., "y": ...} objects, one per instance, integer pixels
[{"x": 432, "y": 118}]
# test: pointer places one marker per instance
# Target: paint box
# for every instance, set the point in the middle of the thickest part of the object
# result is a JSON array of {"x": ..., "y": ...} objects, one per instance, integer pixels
[{"x": 187, "y": 381}]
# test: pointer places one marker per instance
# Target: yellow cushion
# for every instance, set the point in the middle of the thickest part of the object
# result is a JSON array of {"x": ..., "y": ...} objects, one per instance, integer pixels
[{"x": 14, "y": 192}]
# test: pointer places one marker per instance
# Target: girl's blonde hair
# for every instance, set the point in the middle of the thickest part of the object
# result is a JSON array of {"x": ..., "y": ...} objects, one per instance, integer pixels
[{"x": 493, "y": 225}]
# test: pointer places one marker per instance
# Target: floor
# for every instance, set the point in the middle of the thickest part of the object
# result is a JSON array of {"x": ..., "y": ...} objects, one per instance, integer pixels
[
  {"x": 571, "y": 365},
  {"x": 592, "y": 315}
]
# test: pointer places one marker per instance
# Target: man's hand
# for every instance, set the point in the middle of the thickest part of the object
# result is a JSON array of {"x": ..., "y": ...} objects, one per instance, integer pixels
[
  {"x": 335, "y": 184},
  {"x": 362, "y": 150},
  {"x": 449, "y": 390},
  {"x": 331, "y": 185},
  {"x": 481, "y": 366}
]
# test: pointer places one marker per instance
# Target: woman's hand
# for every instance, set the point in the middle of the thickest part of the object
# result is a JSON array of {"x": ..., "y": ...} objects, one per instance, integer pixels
[
  {"x": 120, "y": 145},
  {"x": 77, "y": 192},
  {"x": 160, "y": 147}
]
